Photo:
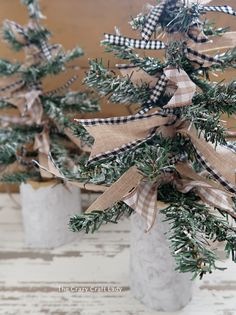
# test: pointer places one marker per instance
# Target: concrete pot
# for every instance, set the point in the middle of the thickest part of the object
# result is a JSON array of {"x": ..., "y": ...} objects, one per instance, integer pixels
[
  {"x": 153, "y": 278},
  {"x": 46, "y": 209}
]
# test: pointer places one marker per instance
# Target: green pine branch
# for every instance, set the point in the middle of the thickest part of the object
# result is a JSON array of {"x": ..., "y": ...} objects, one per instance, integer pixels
[
  {"x": 7, "y": 68},
  {"x": 91, "y": 222},
  {"x": 54, "y": 66},
  {"x": 194, "y": 227},
  {"x": 76, "y": 102},
  {"x": 117, "y": 89},
  {"x": 149, "y": 64}
]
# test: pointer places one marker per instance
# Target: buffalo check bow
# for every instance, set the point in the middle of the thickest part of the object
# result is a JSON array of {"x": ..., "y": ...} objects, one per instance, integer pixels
[{"x": 154, "y": 17}]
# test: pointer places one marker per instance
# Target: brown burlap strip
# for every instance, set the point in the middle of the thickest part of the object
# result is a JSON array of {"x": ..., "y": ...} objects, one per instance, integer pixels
[
  {"x": 107, "y": 137},
  {"x": 29, "y": 104},
  {"x": 212, "y": 193},
  {"x": 42, "y": 145},
  {"x": 125, "y": 185},
  {"x": 52, "y": 170},
  {"x": 141, "y": 195},
  {"x": 220, "y": 158}
]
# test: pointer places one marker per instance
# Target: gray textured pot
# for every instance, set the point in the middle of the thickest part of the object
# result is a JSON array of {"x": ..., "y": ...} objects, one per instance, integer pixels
[
  {"x": 46, "y": 209},
  {"x": 153, "y": 279}
]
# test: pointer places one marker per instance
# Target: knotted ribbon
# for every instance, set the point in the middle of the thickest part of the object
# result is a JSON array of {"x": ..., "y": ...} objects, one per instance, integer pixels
[{"x": 135, "y": 190}]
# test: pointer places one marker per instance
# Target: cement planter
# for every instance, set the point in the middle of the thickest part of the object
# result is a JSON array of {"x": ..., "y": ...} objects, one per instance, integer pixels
[
  {"x": 46, "y": 209},
  {"x": 153, "y": 279}
]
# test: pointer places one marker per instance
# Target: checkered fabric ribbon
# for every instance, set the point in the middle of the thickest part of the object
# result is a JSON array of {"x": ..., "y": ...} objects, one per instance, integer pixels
[
  {"x": 152, "y": 20},
  {"x": 138, "y": 76},
  {"x": 133, "y": 43},
  {"x": 185, "y": 88},
  {"x": 46, "y": 50},
  {"x": 117, "y": 130},
  {"x": 144, "y": 201},
  {"x": 62, "y": 88},
  {"x": 12, "y": 86},
  {"x": 214, "y": 173},
  {"x": 158, "y": 13},
  {"x": 196, "y": 33},
  {"x": 158, "y": 90},
  {"x": 223, "y": 9},
  {"x": 191, "y": 54},
  {"x": 231, "y": 146},
  {"x": 202, "y": 59}
]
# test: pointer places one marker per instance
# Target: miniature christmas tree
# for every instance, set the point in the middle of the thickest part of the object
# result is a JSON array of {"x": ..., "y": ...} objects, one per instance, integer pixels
[
  {"x": 42, "y": 128},
  {"x": 174, "y": 149}
]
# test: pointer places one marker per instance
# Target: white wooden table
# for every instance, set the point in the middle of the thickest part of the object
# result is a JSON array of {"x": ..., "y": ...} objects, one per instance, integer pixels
[{"x": 88, "y": 277}]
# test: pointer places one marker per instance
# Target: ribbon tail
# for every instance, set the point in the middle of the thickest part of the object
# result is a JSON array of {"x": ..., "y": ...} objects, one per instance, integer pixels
[
  {"x": 202, "y": 59},
  {"x": 152, "y": 21},
  {"x": 223, "y": 9},
  {"x": 185, "y": 88},
  {"x": 133, "y": 43},
  {"x": 144, "y": 201},
  {"x": 125, "y": 185},
  {"x": 210, "y": 192},
  {"x": 121, "y": 133},
  {"x": 215, "y": 159}
]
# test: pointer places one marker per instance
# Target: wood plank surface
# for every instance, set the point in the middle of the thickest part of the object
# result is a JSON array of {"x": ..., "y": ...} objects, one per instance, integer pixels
[{"x": 89, "y": 276}]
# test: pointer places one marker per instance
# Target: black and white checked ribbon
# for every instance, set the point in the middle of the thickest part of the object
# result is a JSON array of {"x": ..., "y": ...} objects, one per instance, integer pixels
[
  {"x": 46, "y": 50},
  {"x": 217, "y": 176},
  {"x": 133, "y": 43},
  {"x": 158, "y": 89},
  {"x": 231, "y": 146},
  {"x": 117, "y": 120},
  {"x": 203, "y": 57},
  {"x": 63, "y": 87},
  {"x": 155, "y": 45},
  {"x": 12, "y": 86},
  {"x": 156, "y": 93},
  {"x": 152, "y": 21},
  {"x": 223, "y": 9},
  {"x": 197, "y": 25}
]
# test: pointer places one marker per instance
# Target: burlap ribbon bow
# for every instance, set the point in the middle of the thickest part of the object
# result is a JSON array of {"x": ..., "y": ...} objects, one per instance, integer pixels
[{"x": 119, "y": 134}]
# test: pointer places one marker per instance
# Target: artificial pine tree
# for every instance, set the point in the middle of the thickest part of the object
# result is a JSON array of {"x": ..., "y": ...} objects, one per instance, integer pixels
[
  {"x": 42, "y": 128},
  {"x": 174, "y": 148}
]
